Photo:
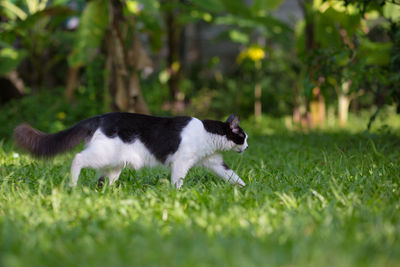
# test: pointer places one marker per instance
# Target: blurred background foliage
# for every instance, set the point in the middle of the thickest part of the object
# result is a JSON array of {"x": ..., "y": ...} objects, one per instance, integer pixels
[{"x": 311, "y": 61}]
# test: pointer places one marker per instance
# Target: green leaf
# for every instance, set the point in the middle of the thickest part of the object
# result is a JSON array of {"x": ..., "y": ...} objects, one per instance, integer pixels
[
  {"x": 391, "y": 11},
  {"x": 152, "y": 27},
  {"x": 10, "y": 59},
  {"x": 374, "y": 53},
  {"x": 57, "y": 13},
  {"x": 265, "y": 5},
  {"x": 12, "y": 11},
  {"x": 150, "y": 6},
  {"x": 269, "y": 23},
  {"x": 214, "y": 6},
  {"x": 236, "y": 7},
  {"x": 300, "y": 36},
  {"x": 238, "y": 37},
  {"x": 275, "y": 25},
  {"x": 328, "y": 24},
  {"x": 93, "y": 23},
  {"x": 267, "y": 26}
]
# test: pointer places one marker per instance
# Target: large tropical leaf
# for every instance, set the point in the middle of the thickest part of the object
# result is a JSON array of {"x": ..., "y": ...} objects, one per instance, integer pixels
[
  {"x": 213, "y": 6},
  {"x": 93, "y": 23},
  {"x": 374, "y": 53},
  {"x": 10, "y": 59},
  {"x": 275, "y": 24},
  {"x": 12, "y": 11},
  {"x": 266, "y": 25},
  {"x": 57, "y": 14},
  {"x": 41, "y": 23},
  {"x": 265, "y": 5},
  {"x": 391, "y": 11},
  {"x": 236, "y": 7}
]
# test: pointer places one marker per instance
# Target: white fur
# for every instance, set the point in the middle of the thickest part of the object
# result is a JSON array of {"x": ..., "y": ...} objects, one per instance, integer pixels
[{"x": 197, "y": 147}]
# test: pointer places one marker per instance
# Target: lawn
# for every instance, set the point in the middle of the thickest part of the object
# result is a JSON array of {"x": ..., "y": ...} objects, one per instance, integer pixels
[{"x": 323, "y": 198}]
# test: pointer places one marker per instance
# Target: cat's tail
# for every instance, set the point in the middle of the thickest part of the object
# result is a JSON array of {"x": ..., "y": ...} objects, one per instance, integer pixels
[{"x": 45, "y": 145}]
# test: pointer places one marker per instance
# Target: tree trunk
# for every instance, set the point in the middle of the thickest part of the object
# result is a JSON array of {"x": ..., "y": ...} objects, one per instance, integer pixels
[
  {"x": 16, "y": 81},
  {"x": 344, "y": 103},
  {"x": 12, "y": 87},
  {"x": 174, "y": 43},
  {"x": 71, "y": 83},
  {"x": 317, "y": 108},
  {"x": 317, "y": 111},
  {"x": 296, "y": 115},
  {"x": 343, "y": 109},
  {"x": 138, "y": 103},
  {"x": 257, "y": 103},
  {"x": 124, "y": 79}
]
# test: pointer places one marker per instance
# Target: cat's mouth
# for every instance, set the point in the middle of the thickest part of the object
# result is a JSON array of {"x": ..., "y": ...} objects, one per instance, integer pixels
[{"x": 241, "y": 150}]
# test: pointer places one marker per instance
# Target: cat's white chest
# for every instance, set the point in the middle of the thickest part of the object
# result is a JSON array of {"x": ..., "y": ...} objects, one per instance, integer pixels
[{"x": 192, "y": 146}]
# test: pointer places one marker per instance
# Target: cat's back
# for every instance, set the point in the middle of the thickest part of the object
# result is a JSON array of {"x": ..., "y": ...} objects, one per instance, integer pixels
[
  {"x": 132, "y": 125},
  {"x": 161, "y": 136},
  {"x": 137, "y": 120}
]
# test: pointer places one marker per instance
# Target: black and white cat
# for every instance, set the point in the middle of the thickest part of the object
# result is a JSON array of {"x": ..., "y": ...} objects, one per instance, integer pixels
[{"x": 116, "y": 140}]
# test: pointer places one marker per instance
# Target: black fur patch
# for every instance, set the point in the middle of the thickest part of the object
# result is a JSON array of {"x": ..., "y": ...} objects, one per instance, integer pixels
[
  {"x": 223, "y": 128},
  {"x": 161, "y": 135},
  {"x": 226, "y": 167},
  {"x": 42, "y": 144},
  {"x": 101, "y": 182}
]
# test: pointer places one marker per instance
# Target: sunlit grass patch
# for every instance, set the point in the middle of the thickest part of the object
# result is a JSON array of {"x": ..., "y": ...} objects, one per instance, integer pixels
[{"x": 324, "y": 198}]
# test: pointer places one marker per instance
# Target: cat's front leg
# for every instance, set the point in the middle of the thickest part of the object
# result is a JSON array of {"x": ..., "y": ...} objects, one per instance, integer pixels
[
  {"x": 216, "y": 164},
  {"x": 179, "y": 170}
]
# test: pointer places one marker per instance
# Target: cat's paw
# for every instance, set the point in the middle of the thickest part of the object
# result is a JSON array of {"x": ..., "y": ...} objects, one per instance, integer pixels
[
  {"x": 101, "y": 182},
  {"x": 240, "y": 183},
  {"x": 178, "y": 184},
  {"x": 72, "y": 184}
]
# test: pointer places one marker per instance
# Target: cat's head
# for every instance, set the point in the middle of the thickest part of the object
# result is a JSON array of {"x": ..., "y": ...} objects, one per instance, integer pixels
[{"x": 236, "y": 134}]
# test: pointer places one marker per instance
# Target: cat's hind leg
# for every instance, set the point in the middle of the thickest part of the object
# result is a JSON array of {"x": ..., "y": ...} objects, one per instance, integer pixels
[
  {"x": 101, "y": 178},
  {"x": 77, "y": 165},
  {"x": 216, "y": 164},
  {"x": 101, "y": 181},
  {"x": 93, "y": 158},
  {"x": 112, "y": 174}
]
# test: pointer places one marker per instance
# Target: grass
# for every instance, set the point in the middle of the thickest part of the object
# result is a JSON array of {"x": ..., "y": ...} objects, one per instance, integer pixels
[{"x": 326, "y": 198}]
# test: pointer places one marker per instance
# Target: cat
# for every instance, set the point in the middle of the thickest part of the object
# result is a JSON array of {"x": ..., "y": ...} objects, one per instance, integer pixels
[{"x": 116, "y": 140}]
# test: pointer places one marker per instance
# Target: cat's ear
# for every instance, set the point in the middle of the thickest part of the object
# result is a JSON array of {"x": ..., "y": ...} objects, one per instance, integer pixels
[
  {"x": 230, "y": 118},
  {"x": 233, "y": 123}
]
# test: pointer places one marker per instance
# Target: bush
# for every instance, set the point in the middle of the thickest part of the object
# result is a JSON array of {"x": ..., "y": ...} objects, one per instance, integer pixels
[{"x": 48, "y": 111}]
